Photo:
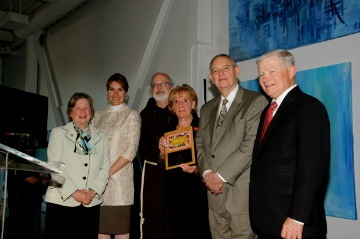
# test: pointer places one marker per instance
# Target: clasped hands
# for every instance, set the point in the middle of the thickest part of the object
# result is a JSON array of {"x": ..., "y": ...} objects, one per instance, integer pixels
[
  {"x": 84, "y": 196},
  {"x": 214, "y": 183}
]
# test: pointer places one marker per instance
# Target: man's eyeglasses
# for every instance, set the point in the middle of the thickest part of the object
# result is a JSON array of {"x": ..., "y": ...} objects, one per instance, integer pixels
[{"x": 162, "y": 84}]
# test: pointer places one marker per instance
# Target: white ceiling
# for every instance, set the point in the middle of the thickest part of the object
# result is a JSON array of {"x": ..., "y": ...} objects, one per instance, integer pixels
[
  {"x": 14, "y": 15},
  {"x": 22, "y": 18}
]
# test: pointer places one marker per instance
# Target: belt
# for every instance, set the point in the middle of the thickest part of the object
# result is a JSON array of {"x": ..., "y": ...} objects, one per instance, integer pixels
[
  {"x": 149, "y": 162},
  {"x": 142, "y": 219}
]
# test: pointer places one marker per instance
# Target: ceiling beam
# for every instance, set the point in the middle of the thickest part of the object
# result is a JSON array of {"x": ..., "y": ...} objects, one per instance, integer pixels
[
  {"x": 47, "y": 15},
  {"x": 13, "y": 21}
]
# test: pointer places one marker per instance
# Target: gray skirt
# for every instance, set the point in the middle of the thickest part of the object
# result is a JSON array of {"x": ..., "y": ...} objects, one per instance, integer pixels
[{"x": 114, "y": 220}]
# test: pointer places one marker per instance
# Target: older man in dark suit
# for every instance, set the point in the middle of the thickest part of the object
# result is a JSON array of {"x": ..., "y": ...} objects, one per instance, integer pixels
[
  {"x": 291, "y": 159},
  {"x": 224, "y": 145}
]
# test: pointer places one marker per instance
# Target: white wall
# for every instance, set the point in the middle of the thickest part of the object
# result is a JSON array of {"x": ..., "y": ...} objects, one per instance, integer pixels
[
  {"x": 103, "y": 38},
  {"x": 108, "y": 36}
]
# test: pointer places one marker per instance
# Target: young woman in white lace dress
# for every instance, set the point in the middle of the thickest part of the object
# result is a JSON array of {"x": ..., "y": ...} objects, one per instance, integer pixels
[{"x": 122, "y": 127}]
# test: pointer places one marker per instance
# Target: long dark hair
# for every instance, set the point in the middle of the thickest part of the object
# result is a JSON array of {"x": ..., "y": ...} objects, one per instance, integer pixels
[{"x": 119, "y": 79}]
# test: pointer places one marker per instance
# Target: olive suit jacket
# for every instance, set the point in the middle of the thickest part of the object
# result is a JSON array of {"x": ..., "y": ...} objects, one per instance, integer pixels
[
  {"x": 290, "y": 167},
  {"x": 229, "y": 152}
]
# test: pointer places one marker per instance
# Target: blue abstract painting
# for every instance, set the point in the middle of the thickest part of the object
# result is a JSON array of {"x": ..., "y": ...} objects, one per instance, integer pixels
[
  {"x": 257, "y": 26},
  {"x": 332, "y": 86}
]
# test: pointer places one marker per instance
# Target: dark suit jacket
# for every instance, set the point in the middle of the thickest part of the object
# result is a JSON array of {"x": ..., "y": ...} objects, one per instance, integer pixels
[
  {"x": 290, "y": 167},
  {"x": 229, "y": 153}
]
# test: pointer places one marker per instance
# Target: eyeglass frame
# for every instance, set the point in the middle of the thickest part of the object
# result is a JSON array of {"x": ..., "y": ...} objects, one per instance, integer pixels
[{"x": 161, "y": 84}]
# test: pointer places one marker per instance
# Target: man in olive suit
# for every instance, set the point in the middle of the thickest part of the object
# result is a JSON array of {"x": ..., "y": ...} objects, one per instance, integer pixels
[{"x": 224, "y": 152}]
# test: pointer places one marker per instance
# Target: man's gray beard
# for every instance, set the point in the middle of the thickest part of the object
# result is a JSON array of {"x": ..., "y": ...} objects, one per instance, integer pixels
[{"x": 161, "y": 97}]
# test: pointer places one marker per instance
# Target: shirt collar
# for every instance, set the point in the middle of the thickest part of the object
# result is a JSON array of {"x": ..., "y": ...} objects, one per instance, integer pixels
[
  {"x": 280, "y": 99},
  {"x": 114, "y": 108},
  {"x": 230, "y": 97}
]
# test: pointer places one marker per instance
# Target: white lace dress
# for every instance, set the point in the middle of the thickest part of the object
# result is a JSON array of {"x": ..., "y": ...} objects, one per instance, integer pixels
[{"x": 122, "y": 127}]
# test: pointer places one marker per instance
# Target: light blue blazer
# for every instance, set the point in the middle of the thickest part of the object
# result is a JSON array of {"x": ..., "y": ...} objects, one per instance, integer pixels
[{"x": 81, "y": 171}]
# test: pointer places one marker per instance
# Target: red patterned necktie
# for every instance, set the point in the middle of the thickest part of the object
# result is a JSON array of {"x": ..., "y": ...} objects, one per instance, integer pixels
[{"x": 268, "y": 118}]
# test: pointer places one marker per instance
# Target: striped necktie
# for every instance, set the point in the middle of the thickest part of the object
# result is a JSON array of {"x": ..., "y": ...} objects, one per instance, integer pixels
[{"x": 222, "y": 114}]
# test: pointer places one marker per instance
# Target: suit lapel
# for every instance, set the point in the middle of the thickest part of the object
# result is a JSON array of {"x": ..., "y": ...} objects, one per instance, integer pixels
[
  {"x": 213, "y": 119},
  {"x": 280, "y": 114},
  {"x": 70, "y": 132},
  {"x": 95, "y": 135}
]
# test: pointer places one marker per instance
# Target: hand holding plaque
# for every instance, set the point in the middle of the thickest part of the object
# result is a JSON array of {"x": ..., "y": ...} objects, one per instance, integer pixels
[{"x": 180, "y": 148}]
